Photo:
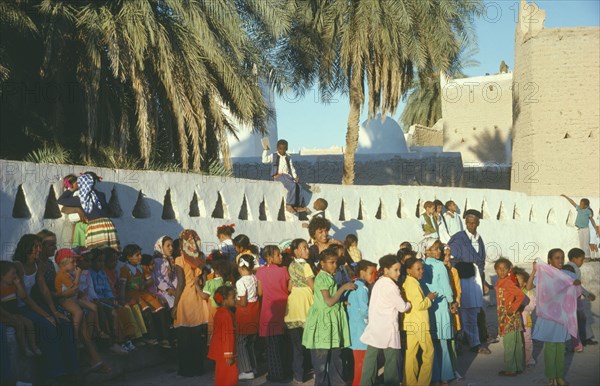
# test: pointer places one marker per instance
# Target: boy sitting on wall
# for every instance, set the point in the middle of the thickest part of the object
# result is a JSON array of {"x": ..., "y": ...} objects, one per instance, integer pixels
[{"x": 282, "y": 170}]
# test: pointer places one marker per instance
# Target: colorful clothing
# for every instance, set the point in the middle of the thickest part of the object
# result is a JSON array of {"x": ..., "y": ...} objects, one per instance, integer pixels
[
  {"x": 247, "y": 318},
  {"x": 192, "y": 310},
  {"x": 132, "y": 278},
  {"x": 211, "y": 287},
  {"x": 456, "y": 291},
  {"x": 222, "y": 348},
  {"x": 165, "y": 276},
  {"x": 301, "y": 297},
  {"x": 416, "y": 325},
  {"x": 556, "y": 308},
  {"x": 358, "y": 314},
  {"x": 274, "y": 282},
  {"x": 509, "y": 298},
  {"x": 63, "y": 282},
  {"x": 326, "y": 327},
  {"x": 101, "y": 233}
]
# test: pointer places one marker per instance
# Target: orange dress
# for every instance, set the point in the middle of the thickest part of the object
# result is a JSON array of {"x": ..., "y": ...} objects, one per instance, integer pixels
[
  {"x": 455, "y": 285},
  {"x": 192, "y": 310}
]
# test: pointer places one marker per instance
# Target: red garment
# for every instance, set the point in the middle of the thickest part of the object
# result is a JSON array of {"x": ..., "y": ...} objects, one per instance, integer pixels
[
  {"x": 359, "y": 358},
  {"x": 222, "y": 347},
  {"x": 246, "y": 318},
  {"x": 274, "y": 282},
  {"x": 509, "y": 299}
]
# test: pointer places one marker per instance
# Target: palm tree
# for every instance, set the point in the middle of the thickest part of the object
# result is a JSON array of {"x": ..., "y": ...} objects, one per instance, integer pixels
[
  {"x": 424, "y": 101},
  {"x": 371, "y": 50},
  {"x": 150, "y": 70}
]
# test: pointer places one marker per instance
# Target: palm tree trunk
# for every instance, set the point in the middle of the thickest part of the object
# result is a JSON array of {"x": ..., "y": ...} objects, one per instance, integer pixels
[{"x": 351, "y": 137}]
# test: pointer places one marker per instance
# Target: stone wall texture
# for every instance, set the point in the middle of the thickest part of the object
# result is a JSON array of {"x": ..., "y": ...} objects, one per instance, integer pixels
[
  {"x": 556, "y": 137},
  {"x": 477, "y": 118}
]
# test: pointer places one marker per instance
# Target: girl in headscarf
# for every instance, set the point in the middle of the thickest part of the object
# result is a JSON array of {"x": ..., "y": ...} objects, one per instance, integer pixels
[
  {"x": 190, "y": 310},
  {"x": 164, "y": 269}
]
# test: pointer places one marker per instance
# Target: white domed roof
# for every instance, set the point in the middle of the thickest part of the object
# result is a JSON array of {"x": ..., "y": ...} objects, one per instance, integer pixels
[{"x": 376, "y": 137}]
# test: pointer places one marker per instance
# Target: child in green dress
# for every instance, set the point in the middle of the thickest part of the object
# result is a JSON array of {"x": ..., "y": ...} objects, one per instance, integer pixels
[{"x": 326, "y": 329}]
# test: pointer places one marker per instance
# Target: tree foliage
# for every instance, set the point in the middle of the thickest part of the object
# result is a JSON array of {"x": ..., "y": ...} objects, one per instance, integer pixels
[{"x": 125, "y": 75}]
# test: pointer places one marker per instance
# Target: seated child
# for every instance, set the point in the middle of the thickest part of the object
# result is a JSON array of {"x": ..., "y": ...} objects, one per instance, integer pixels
[
  {"x": 67, "y": 286},
  {"x": 132, "y": 288},
  {"x": 10, "y": 291},
  {"x": 131, "y": 321},
  {"x": 87, "y": 295},
  {"x": 282, "y": 170}
]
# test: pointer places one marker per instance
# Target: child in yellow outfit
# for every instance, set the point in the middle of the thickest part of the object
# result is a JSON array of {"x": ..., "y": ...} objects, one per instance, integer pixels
[{"x": 416, "y": 325}]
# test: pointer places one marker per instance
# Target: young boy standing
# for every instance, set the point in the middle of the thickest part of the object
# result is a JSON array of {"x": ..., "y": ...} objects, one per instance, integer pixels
[
  {"x": 586, "y": 335},
  {"x": 428, "y": 221},
  {"x": 453, "y": 220},
  {"x": 585, "y": 216},
  {"x": 509, "y": 298},
  {"x": 282, "y": 170}
]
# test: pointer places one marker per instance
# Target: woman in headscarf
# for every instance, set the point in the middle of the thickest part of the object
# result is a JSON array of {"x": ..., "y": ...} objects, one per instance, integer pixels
[
  {"x": 164, "y": 269},
  {"x": 100, "y": 230},
  {"x": 190, "y": 310}
]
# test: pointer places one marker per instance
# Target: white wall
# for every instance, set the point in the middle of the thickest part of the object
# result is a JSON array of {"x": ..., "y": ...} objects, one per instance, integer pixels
[{"x": 539, "y": 223}]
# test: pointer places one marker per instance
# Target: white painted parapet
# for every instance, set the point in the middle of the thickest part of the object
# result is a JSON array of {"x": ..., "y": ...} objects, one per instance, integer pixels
[{"x": 514, "y": 225}]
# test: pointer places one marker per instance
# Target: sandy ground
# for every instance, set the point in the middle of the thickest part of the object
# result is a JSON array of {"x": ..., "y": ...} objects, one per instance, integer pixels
[{"x": 581, "y": 368}]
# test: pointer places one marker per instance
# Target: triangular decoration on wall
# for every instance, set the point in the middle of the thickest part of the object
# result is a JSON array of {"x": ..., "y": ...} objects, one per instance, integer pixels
[
  {"x": 360, "y": 211},
  {"x": 52, "y": 211},
  {"x": 342, "y": 211},
  {"x": 194, "y": 207},
  {"x": 399, "y": 210},
  {"x": 168, "y": 213},
  {"x": 141, "y": 208},
  {"x": 379, "y": 215},
  {"x": 566, "y": 136},
  {"x": 262, "y": 210},
  {"x": 281, "y": 213},
  {"x": 114, "y": 206},
  {"x": 303, "y": 216},
  {"x": 20, "y": 208},
  {"x": 501, "y": 212},
  {"x": 243, "y": 215},
  {"x": 219, "y": 211},
  {"x": 418, "y": 212}
]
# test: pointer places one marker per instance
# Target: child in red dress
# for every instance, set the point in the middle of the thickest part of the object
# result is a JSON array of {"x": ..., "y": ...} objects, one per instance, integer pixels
[{"x": 222, "y": 344}]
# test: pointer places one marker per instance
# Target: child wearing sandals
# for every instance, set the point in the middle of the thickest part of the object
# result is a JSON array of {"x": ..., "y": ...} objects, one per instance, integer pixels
[
  {"x": 246, "y": 317},
  {"x": 11, "y": 291}
]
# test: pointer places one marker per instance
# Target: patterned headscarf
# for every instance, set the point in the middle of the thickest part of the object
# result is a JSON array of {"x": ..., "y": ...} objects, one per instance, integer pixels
[
  {"x": 158, "y": 251},
  {"x": 426, "y": 243},
  {"x": 87, "y": 196},
  {"x": 190, "y": 248}
]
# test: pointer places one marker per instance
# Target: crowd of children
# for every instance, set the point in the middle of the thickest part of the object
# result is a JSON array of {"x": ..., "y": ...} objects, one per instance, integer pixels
[{"x": 316, "y": 304}]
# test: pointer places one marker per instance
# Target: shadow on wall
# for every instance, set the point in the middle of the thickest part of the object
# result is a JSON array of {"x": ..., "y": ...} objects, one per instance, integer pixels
[
  {"x": 155, "y": 218},
  {"x": 348, "y": 227},
  {"x": 492, "y": 148}
]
